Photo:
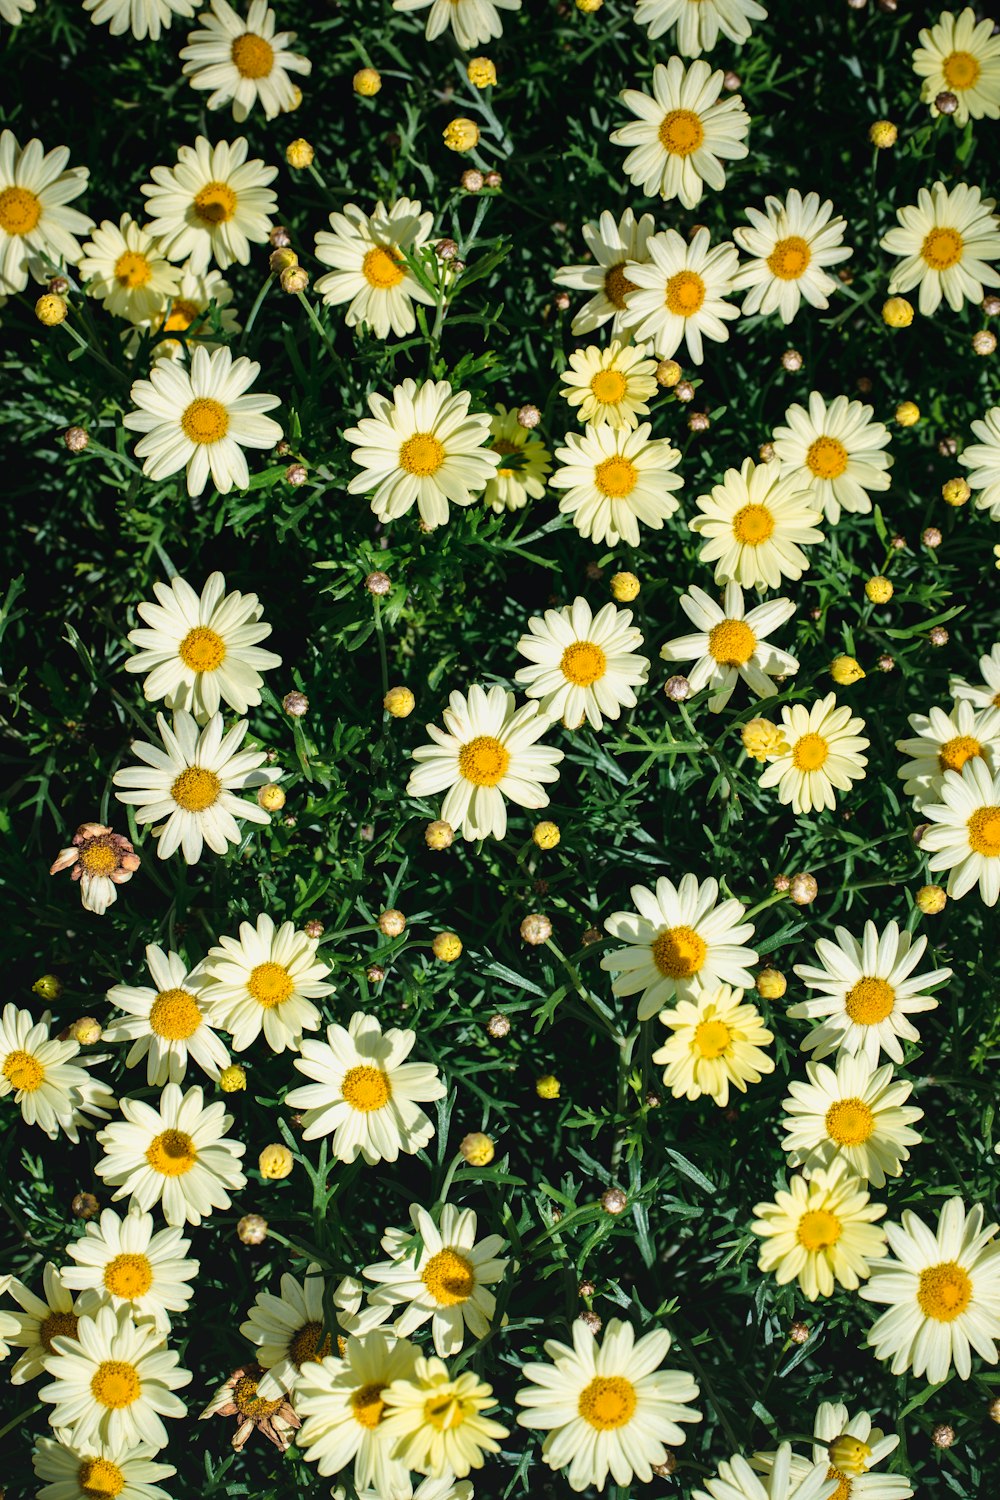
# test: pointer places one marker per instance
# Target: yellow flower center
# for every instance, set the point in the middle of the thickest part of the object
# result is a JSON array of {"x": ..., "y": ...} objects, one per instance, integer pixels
[
  {"x": 752, "y": 525},
  {"x": 483, "y": 761},
  {"x": 869, "y": 1001},
  {"x": 99, "y": 859},
  {"x": 955, "y": 752},
  {"x": 366, "y": 1089},
  {"x": 827, "y": 458},
  {"x": 367, "y": 1404},
  {"x": 58, "y": 1325},
  {"x": 100, "y": 1479},
  {"x": 447, "y": 1411},
  {"x": 679, "y": 952},
  {"x": 789, "y": 258},
  {"x": 844, "y": 1486},
  {"x": 849, "y": 1122},
  {"x": 251, "y": 1406},
  {"x": 174, "y": 1015},
  {"x": 942, "y": 248},
  {"x": 253, "y": 57},
  {"x": 270, "y": 984},
  {"x": 196, "y": 789},
  {"x": 732, "y": 643},
  {"x": 617, "y": 285},
  {"x": 132, "y": 270},
  {"x": 205, "y": 420},
  {"x": 984, "y": 831},
  {"x": 583, "y": 663},
  {"x": 215, "y": 203},
  {"x": 810, "y": 752},
  {"x": 182, "y": 315},
  {"x": 309, "y": 1344},
  {"x": 685, "y": 294},
  {"x": 945, "y": 1292},
  {"x": 961, "y": 71},
  {"x": 616, "y": 477},
  {"x": 202, "y": 650},
  {"x": 681, "y": 132},
  {"x": 449, "y": 1278},
  {"x": 609, "y": 1401},
  {"x": 711, "y": 1038},
  {"x": 20, "y": 210},
  {"x": 382, "y": 270},
  {"x": 609, "y": 386},
  {"x": 172, "y": 1153},
  {"x": 849, "y": 1454},
  {"x": 115, "y": 1384},
  {"x": 818, "y": 1230},
  {"x": 22, "y": 1071},
  {"x": 422, "y": 455},
  {"x": 128, "y": 1276}
]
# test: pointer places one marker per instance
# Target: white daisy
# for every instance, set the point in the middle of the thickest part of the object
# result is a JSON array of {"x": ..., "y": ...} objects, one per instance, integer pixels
[
  {"x": 858, "y": 1112},
  {"x": 122, "y": 1258},
  {"x": 736, "y": 1480},
  {"x": 848, "y": 1448},
  {"x": 682, "y": 134},
  {"x": 699, "y": 26},
  {"x": 486, "y": 753},
  {"x": 945, "y": 742},
  {"x": 370, "y": 271},
  {"x": 211, "y": 203},
  {"x": 436, "y": 1420},
  {"x": 792, "y": 245},
  {"x": 191, "y": 784},
  {"x": 960, "y": 55},
  {"x": 8, "y": 1320},
  {"x": 582, "y": 665},
  {"x": 473, "y": 21},
  {"x": 424, "y": 447},
  {"x": 681, "y": 940},
  {"x": 243, "y": 61},
  {"x": 983, "y": 460},
  {"x": 342, "y": 1401},
  {"x": 288, "y": 1331},
  {"x": 48, "y": 1077},
  {"x": 85, "y": 1471},
  {"x": 612, "y": 244},
  {"x": 606, "y": 1405},
  {"x": 177, "y": 1154},
  {"x": 835, "y": 451},
  {"x": 867, "y": 991},
  {"x": 615, "y": 478},
  {"x": 514, "y": 484},
  {"x": 680, "y": 293},
  {"x": 265, "y": 981},
  {"x": 126, "y": 269},
  {"x": 730, "y": 644},
  {"x": 966, "y": 838},
  {"x": 820, "y": 1233},
  {"x": 365, "y": 1094},
  {"x": 168, "y": 1024},
  {"x": 201, "y": 652},
  {"x": 756, "y": 522},
  {"x": 37, "y": 229},
  {"x": 822, "y": 754},
  {"x": 56, "y": 1315},
  {"x": 987, "y": 693},
  {"x": 199, "y": 418},
  {"x": 142, "y": 17},
  {"x": 200, "y": 311},
  {"x": 101, "y": 861},
  {"x": 946, "y": 241},
  {"x": 610, "y": 385}
]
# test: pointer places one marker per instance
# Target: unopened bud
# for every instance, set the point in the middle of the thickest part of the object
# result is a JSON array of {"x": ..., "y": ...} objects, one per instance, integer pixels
[
  {"x": 233, "y": 1080},
  {"x": 299, "y": 154},
  {"x": 392, "y": 922},
  {"x": 477, "y": 1149},
  {"x": 931, "y": 900},
  {"x": 677, "y": 688},
  {"x": 803, "y": 890},
  {"x": 528, "y": 416},
  {"x": 76, "y": 439},
  {"x": 281, "y": 259},
  {"x": 84, "y": 1206},
  {"x": 668, "y": 373},
  {"x": 51, "y": 310},
  {"x": 275, "y": 1162},
  {"x": 367, "y": 82},
  {"x": 271, "y": 797},
  {"x": 984, "y": 342},
  {"x": 86, "y": 1031},
  {"x": 439, "y": 835},
  {"x": 296, "y": 474},
  {"x": 252, "y": 1229},
  {"x": 295, "y": 704},
  {"x": 536, "y": 929},
  {"x": 614, "y": 1201},
  {"x": 399, "y": 702},
  {"x": 771, "y": 984},
  {"x": 498, "y": 1027},
  {"x": 378, "y": 584},
  {"x": 625, "y": 587},
  {"x": 447, "y": 946},
  {"x": 294, "y": 279}
]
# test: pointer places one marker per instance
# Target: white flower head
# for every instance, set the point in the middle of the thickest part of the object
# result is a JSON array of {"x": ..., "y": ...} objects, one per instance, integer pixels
[
  {"x": 582, "y": 665},
  {"x": 946, "y": 241},
  {"x": 141, "y": 17},
  {"x": 168, "y": 1025},
  {"x": 985, "y": 694},
  {"x": 943, "y": 743},
  {"x": 835, "y": 450},
  {"x": 243, "y": 61},
  {"x": 288, "y": 1330},
  {"x": 612, "y": 244},
  {"x": 699, "y": 26},
  {"x": 610, "y": 385},
  {"x": 265, "y": 981},
  {"x": 757, "y": 523},
  {"x": 960, "y": 55},
  {"x": 525, "y": 463},
  {"x": 126, "y": 269},
  {"x": 369, "y": 270},
  {"x": 730, "y": 644},
  {"x": 473, "y": 21},
  {"x": 212, "y": 204},
  {"x": 56, "y": 1314},
  {"x": 123, "y": 1259},
  {"x": 821, "y": 755},
  {"x": 792, "y": 245},
  {"x": 614, "y": 479},
  {"x": 966, "y": 837},
  {"x": 125, "y": 1470},
  {"x": 342, "y": 1401},
  {"x": 680, "y": 293},
  {"x": 855, "y": 1110},
  {"x": 37, "y": 227},
  {"x": 49, "y": 1078}
]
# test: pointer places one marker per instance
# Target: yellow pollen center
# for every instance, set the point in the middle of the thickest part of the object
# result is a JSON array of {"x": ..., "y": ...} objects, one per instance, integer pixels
[
  {"x": 869, "y": 1001},
  {"x": 128, "y": 1276},
  {"x": 752, "y": 525},
  {"x": 984, "y": 831},
  {"x": 253, "y": 56},
  {"x": 732, "y": 643},
  {"x": 172, "y": 1153},
  {"x": 99, "y": 859},
  {"x": 945, "y": 1291},
  {"x": 196, "y": 789},
  {"x": 421, "y": 455},
  {"x": 483, "y": 761},
  {"x": 58, "y": 1325},
  {"x": 616, "y": 477},
  {"x": 22, "y": 1071},
  {"x": 270, "y": 984},
  {"x": 367, "y": 1404},
  {"x": 849, "y": 1455},
  {"x": 849, "y": 1122},
  {"x": 818, "y": 1230},
  {"x": 608, "y": 1402},
  {"x": 961, "y": 71},
  {"x": 679, "y": 952},
  {"x": 449, "y": 1278},
  {"x": 617, "y": 285},
  {"x": 942, "y": 248},
  {"x": 844, "y": 1486},
  {"x": 100, "y": 1479},
  {"x": 609, "y": 386},
  {"x": 789, "y": 258},
  {"x": 954, "y": 753},
  {"x": 202, "y": 650},
  {"x": 205, "y": 420},
  {"x": 583, "y": 663},
  {"x": 810, "y": 752},
  {"x": 115, "y": 1384},
  {"x": 310, "y": 1343},
  {"x": 132, "y": 270},
  {"x": 215, "y": 203},
  {"x": 446, "y": 1412},
  {"x": 20, "y": 210},
  {"x": 681, "y": 132},
  {"x": 685, "y": 294},
  {"x": 182, "y": 315},
  {"x": 251, "y": 1406},
  {"x": 174, "y": 1015},
  {"x": 381, "y": 269},
  {"x": 711, "y": 1038},
  {"x": 827, "y": 458},
  {"x": 366, "y": 1089}
]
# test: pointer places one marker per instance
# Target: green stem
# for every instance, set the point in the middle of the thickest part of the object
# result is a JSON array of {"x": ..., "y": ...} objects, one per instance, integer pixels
[
  {"x": 258, "y": 304},
  {"x": 380, "y": 637},
  {"x": 624, "y": 1063}
]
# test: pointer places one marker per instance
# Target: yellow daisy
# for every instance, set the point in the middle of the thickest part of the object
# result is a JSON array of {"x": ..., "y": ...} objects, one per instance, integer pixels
[
  {"x": 610, "y": 385},
  {"x": 716, "y": 1042},
  {"x": 437, "y": 1420},
  {"x": 821, "y": 1233}
]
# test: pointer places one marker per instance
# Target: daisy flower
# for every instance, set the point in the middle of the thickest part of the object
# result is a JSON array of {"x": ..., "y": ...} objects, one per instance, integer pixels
[
  {"x": 792, "y": 244},
  {"x": 486, "y": 753},
  {"x": 202, "y": 652},
  {"x": 14, "y": 11},
  {"x": 607, "y": 1405},
  {"x": 101, "y": 861},
  {"x": 942, "y": 1291},
  {"x": 168, "y": 1024},
  {"x": 680, "y": 293},
  {"x": 142, "y": 17},
  {"x": 856, "y": 1111},
  {"x": 699, "y": 26},
  {"x": 614, "y": 478},
  {"x": 424, "y": 447},
  {"x": 36, "y": 225},
  {"x": 243, "y": 61},
  {"x": 946, "y": 241},
  {"x": 211, "y": 203},
  {"x": 189, "y": 784},
  {"x": 126, "y": 269},
  {"x": 514, "y": 484},
  {"x": 177, "y": 1154},
  {"x": 436, "y": 1420},
  {"x": 288, "y": 1331},
  {"x": 730, "y": 644},
  {"x": 473, "y": 21},
  {"x": 265, "y": 980},
  {"x": 682, "y": 134},
  {"x": 8, "y": 1320},
  {"x": 582, "y": 665},
  {"x": 610, "y": 385},
  {"x": 199, "y": 310},
  {"x": 736, "y": 1480},
  {"x": 755, "y": 521},
  {"x": 365, "y": 1093},
  {"x": 966, "y": 838},
  {"x": 113, "y": 1382},
  {"x": 846, "y": 1448},
  {"x": 945, "y": 742},
  {"x": 83, "y": 1471},
  {"x": 821, "y": 1233},
  {"x": 57, "y": 1314},
  {"x": 369, "y": 269},
  {"x": 343, "y": 1402},
  {"x": 681, "y": 940},
  {"x": 987, "y": 693},
  {"x": 962, "y": 57},
  {"x": 983, "y": 459},
  {"x": 200, "y": 419},
  {"x": 447, "y": 1488},
  {"x": 822, "y": 752},
  {"x": 834, "y": 452},
  {"x": 239, "y": 1396},
  {"x": 50, "y": 1090},
  {"x": 612, "y": 243},
  {"x": 122, "y": 1258},
  {"x": 866, "y": 992},
  {"x": 716, "y": 1041},
  {"x": 441, "y": 1278}
]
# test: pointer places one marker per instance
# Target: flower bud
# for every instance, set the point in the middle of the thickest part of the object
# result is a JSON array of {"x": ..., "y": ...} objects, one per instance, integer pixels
[
  {"x": 931, "y": 899},
  {"x": 591, "y": 1321},
  {"x": 943, "y": 1436},
  {"x": 547, "y": 1087},
  {"x": 446, "y": 249},
  {"x": 399, "y": 702},
  {"x": 275, "y": 1162},
  {"x": 51, "y": 310},
  {"x": 294, "y": 279},
  {"x": 493, "y": 179},
  {"x": 280, "y": 260},
  {"x": 677, "y": 688},
  {"x": 589, "y": 7},
  {"x": 907, "y": 413},
  {"x": 614, "y": 1201},
  {"x": 279, "y": 238},
  {"x": 461, "y": 134},
  {"x": 946, "y": 103},
  {"x": 931, "y": 537},
  {"x": 845, "y": 670},
  {"x": 798, "y": 1332},
  {"x": 767, "y": 453},
  {"x": 897, "y": 312},
  {"x": 528, "y": 416},
  {"x": 367, "y": 82},
  {"x": 296, "y": 474},
  {"x": 84, "y": 1206},
  {"x": 378, "y": 584},
  {"x": 879, "y": 589},
  {"x": 47, "y": 987},
  {"x": 498, "y": 1027},
  {"x": 625, "y": 587},
  {"x": 439, "y": 835},
  {"x": 886, "y": 663},
  {"x": 792, "y": 360},
  {"x": 782, "y": 883},
  {"x": 233, "y": 1080},
  {"x": 374, "y": 973},
  {"x": 955, "y": 492},
  {"x": 271, "y": 797},
  {"x": 698, "y": 421},
  {"x": 477, "y": 1149},
  {"x": 763, "y": 740},
  {"x": 86, "y": 1031},
  {"x": 803, "y": 889},
  {"x": 295, "y": 704},
  {"x": 481, "y": 72},
  {"x": 684, "y": 390},
  {"x": 993, "y": 1409},
  {"x": 668, "y": 373},
  {"x": 473, "y": 180},
  {"x": 76, "y": 439},
  {"x": 937, "y": 635},
  {"x": 984, "y": 342},
  {"x": 299, "y": 154},
  {"x": 731, "y": 81},
  {"x": 447, "y": 946},
  {"x": 392, "y": 923},
  {"x": 252, "y": 1229},
  {"x": 883, "y": 134},
  {"x": 536, "y": 929},
  {"x": 771, "y": 984},
  {"x": 991, "y": 305}
]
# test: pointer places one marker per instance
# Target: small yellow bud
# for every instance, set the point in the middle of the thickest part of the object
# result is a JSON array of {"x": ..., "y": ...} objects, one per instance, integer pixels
[
  {"x": 589, "y": 7},
  {"x": 548, "y": 1086},
  {"x": 299, "y": 154},
  {"x": 477, "y": 1149},
  {"x": 625, "y": 587},
  {"x": 461, "y": 134},
  {"x": 391, "y": 923},
  {"x": 447, "y": 946},
  {"x": 271, "y": 797},
  {"x": 897, "y": 312},
  {"x": 47, "y": 987},
  {"x": 296, "y": 100},
  {"x": 86, "y": 1031},
  {"x": 883, "y": 134},
  {"x": 849, "y": 1454},
  {"x": 907, "y": 413},
  {"x": 931, "y": 899},
  {"x": 280, "y": 260},
  {"x": 668, "y": 372},
  {"x": 845, "y": 670},
  {"x": 955, "y": 492},
  {"x": 482, "y": 72},
  {"x": 763, "y": 740},
  {"x": 50, "y": 309},
  {"x": 546, "y": 835},
  {"x": 233, "y": 1079},
  {"x": 367, "y": 82},
  {"x": 439, "y": 835},
  {"x": 294, "y": 279},
  {"x": 275, "y": 1162},
  {"x": 771, "y": 984},
  {"x": 879, "y": 589},
  {"x": 399, "y": 702}
]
